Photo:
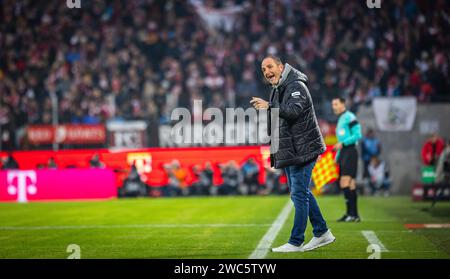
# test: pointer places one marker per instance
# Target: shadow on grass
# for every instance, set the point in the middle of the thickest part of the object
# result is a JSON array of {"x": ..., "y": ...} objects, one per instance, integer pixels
[
  {"x": 438, "y": 211},
  {"x": 441, "y": 212}
]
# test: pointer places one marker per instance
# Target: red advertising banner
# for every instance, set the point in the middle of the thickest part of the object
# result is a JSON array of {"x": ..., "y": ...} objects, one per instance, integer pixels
[
  {"x": 66, "y": 134},
  {"x": 73, "y": 166},
  {"x": 65, "y": 184},
  {"x": 149, "y": 161}
]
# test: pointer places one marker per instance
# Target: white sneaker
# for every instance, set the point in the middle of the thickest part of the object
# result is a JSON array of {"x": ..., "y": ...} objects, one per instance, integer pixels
[
  {"x": 317, "y": 242},
  {"x": 288, "y": 248}
]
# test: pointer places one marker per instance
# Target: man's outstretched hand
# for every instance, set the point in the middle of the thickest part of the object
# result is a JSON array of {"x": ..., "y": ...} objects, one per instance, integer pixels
[{"x": 259, "y": 103}]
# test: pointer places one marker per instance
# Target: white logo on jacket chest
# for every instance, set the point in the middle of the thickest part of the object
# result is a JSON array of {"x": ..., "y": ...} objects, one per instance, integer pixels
[{"x": 341, "y": 132}]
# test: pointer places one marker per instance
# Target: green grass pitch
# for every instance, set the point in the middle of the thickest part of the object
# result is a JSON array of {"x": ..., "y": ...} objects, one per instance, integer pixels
[{"x": 211, "y": 227}]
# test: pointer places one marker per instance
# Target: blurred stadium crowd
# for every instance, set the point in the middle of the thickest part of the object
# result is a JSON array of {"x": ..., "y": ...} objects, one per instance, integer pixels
[{"x": 140, "y": 59}]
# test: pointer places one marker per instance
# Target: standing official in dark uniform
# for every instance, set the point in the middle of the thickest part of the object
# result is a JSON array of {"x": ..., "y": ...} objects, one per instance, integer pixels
[{"x": 348, "y": 133}]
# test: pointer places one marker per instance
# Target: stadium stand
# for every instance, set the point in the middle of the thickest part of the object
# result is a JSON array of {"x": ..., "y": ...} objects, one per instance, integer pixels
[{"x": 140, "y": 59}]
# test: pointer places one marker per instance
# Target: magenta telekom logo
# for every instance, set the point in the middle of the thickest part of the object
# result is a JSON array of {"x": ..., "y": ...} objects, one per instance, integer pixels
[{"x": 21, "y": 184}]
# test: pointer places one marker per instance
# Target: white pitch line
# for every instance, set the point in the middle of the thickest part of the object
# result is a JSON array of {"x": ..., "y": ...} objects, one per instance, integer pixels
[
  {"x": 32, "y": 228},
  {"x": 265, "y": 243},
  {"x": 373, "y": 239}
]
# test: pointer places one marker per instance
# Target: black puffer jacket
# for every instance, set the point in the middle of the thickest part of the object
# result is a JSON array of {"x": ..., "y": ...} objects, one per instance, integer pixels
[{"x": 296, "y": 138}]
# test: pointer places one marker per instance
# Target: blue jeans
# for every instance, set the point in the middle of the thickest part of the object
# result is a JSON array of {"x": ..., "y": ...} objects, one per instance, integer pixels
[{"x": 299, "y": 178}]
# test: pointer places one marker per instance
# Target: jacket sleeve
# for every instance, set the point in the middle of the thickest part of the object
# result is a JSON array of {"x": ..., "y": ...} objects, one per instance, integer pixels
[
  {"x": 355, "y": 133},
  {"x": 295, "y": 101},
  {"x": 426, "y": 154}
]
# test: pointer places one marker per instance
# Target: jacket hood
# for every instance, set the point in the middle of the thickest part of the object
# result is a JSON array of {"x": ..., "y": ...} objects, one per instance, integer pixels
[{"x": 289, "y": 75}]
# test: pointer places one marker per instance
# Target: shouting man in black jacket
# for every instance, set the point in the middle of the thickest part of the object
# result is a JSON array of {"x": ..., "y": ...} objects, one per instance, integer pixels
[{"x": 299, "y": 144}]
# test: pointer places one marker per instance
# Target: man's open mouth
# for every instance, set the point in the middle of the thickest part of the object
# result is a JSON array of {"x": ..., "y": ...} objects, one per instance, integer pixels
[{"x": 270, "y": 77}]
